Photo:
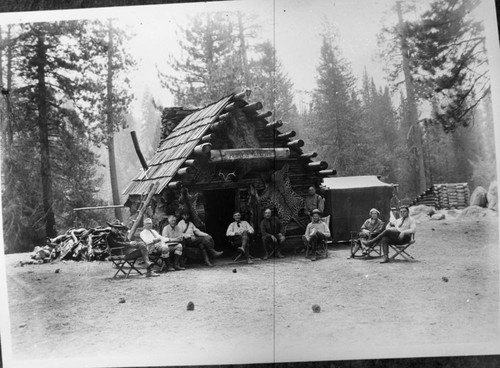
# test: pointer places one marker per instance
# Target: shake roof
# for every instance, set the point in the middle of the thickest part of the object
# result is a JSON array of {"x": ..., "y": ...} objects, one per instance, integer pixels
[{"x": 176, "y": 148}]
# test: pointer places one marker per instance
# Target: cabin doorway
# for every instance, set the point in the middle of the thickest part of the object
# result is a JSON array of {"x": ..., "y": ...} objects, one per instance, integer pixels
[{"x": 219, "y": 208}]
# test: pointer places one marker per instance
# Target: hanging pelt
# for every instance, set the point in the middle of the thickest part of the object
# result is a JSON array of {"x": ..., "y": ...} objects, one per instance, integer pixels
[
  {"x": 188, "y": 202},
  {"x": 280, "y": 195}
]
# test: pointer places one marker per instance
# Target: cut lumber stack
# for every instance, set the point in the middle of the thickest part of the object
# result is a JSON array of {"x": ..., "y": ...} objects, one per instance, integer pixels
[{"x": 445, "y": 196}]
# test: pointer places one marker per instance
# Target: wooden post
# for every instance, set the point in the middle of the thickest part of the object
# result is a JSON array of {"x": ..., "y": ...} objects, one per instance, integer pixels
[
  {"x": 286, "y": 135},
  {"x": 327, "y": 172},
  {"x": 252, "y": 107},
  {"x": 264, "y": 115},
  {"x": 138, "y": 150},
  {"x": 309, "y": 155},
  {"x": 317, "y": 165},
  {"x": 151, "y": 192},
  {"x": 275, "y": 124}
]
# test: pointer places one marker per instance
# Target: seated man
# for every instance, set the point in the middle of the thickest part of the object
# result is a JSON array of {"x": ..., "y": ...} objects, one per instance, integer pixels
[
  {"x": 398, "y": 232},
  {"x": 156, "y": 243},
  {"x": 371, "y": 227},
  {"x": 239, "y": 232},
  {"x": 316, "y": 232},
  {"x": 271, "y": 230},
  {"x": 195, "y": 238},
  {"x": 173, "y": 235},
  {"x": 132, "y": 249}
]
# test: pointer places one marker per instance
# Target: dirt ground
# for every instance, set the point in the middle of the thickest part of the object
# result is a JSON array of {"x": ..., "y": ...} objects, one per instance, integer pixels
[{"x": 445, "y": 303}]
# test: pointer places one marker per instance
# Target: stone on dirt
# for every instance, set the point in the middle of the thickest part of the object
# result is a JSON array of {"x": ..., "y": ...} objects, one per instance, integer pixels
[
  {"x": 316, "y": 308},
  {"x": 190, "y": 306},
  {"x": 438, "y": 216},
  {"x": 474, "y": 211},
  {"x": 422, "y": 212},
  {"x": 121, "y": 300},
  {"x": 479, "y": 197},
  {"x": 492, "y": 196}
]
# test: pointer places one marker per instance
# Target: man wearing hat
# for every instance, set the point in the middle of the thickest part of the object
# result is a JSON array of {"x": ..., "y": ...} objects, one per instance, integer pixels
[
  {"x": 156, "y": 243},
  {"x": 132, "y": 249},
  {"x": 371, "y": 227},
  {"x": 317, "y": 231},
  {"x": 398, "y": 232}
]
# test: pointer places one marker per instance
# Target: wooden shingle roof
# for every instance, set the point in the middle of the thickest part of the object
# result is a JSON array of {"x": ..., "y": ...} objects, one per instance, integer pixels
[{"x": 176, "y": 148}]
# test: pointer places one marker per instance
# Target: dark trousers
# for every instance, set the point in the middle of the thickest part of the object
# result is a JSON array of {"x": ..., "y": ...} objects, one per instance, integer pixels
[
  {"x": 314, "y": 240},
  {"x": 136, "y": 251},
  {"x": 391, "y": 236},
  {"x": 202, "y": 242},
  {"x": 241, "y": 240},
  {"x": 268, "y": 243}
]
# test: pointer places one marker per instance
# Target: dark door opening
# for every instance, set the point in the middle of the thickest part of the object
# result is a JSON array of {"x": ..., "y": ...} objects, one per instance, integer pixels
[{"x": 219, "y": 207}]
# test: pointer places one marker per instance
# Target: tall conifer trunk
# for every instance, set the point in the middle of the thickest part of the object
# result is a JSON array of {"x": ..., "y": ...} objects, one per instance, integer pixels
[
  {"x": 416, "y": 144},
  {"x": 110, "y": 125},
  {"x": 43, "y": 128}
]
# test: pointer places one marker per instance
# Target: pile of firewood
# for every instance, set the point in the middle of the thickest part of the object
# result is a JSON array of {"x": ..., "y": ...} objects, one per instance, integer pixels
[{"x": 75, "y": 244}]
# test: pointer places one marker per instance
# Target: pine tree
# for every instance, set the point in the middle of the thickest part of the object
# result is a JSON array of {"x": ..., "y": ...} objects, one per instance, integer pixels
[
  {"x": 211, "y": 68},
  {"x": 270, "y": 84},
  {"x": 336, "y": 111},
  {"x": 449, "y": 60},
  {"x": 50, "y": 136}
]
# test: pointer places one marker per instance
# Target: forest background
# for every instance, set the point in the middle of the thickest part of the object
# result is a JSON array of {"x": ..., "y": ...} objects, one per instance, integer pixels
[{"x": 416, "y": 110}]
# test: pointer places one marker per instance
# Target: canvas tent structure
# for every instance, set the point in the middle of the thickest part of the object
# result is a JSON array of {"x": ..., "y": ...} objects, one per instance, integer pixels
[
  {"x": 349, "y": 199},
  {"x": 226, "y": 157}
]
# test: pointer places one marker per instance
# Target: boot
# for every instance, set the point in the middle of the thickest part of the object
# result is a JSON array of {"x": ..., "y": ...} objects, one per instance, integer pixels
[
  {"x": 177, "y": 267},
  {"x": 214, "y": 253},
  {"x": 205, "y": 258},
  {"x": 168, "y": 265}
]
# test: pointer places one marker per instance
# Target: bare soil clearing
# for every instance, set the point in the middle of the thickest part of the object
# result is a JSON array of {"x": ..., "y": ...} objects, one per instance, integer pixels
[{"x": 447, "y": 302}]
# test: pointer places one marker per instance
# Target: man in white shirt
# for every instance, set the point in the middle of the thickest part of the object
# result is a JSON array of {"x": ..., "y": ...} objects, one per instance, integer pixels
[
  {"x": 173, "y": 236},
  {"x": 156, "y": 243},
  {"x": 195, "y": 238},
  {"x": 397, "y": 232},
  {"x": 316, "y": 232},
  {"x": 239, "y": 231}
]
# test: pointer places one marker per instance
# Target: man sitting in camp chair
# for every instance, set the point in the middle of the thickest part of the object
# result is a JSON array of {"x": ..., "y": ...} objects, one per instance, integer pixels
[
  {"x": 271, "y": 230},
  {"x": 239, "y": 233},
  {"x": 397, "y": 232},
  {"x": 174, "y": 238},
  {"x": 195, "y": 238},
  {"x": 156, "y": 244},
  {"x": 132, "y": 249},
  {"x": 316, "y": 232},
  {"x": 370, "y": 229}
]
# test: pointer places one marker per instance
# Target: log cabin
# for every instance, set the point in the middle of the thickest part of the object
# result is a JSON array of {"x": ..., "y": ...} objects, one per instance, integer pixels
[{"x": 225, "y": 157}]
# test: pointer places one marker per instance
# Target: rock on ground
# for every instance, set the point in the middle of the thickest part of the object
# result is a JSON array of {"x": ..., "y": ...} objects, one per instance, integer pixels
[
  {"x": 479, "y": 197},
  {"x": 438, "y": 216},
  {"x": 492, "y": 196},
  {"x": 476, "y": 211},
  {"x": 422, "y": 212}
]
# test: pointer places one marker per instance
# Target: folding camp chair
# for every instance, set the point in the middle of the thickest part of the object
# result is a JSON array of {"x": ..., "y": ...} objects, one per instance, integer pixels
[
  {"x": 238, "y": 253},
  {"x": 401, "y": 250},
  {"x": 121, "y": 260},
  {"x": 375, "y": 248},
  {"x": 322, "y": 250}
]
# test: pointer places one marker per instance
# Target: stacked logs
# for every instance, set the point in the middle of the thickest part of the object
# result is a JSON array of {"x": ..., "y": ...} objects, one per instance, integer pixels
[
  {"x": 445, "y": 196},
  {"x": 74, "y": 244}
]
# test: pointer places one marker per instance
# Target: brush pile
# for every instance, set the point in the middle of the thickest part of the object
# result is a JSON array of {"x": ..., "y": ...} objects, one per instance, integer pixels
[{"x": 75, "y": 244}]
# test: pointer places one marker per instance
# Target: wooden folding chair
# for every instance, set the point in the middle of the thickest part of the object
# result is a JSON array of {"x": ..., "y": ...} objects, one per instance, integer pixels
[
  {"x": 121, "y": 260},
  {"x": 322, "y": 250},
  {"x": 401, "y": 250},
  {"x": 375, "y": 248}
]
